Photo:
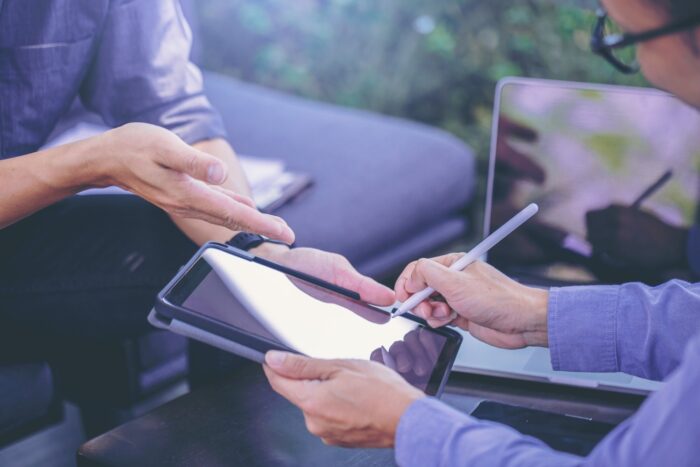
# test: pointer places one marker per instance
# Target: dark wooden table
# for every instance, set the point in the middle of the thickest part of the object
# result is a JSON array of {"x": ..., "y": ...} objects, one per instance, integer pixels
[{"x": 241, "y": 422}]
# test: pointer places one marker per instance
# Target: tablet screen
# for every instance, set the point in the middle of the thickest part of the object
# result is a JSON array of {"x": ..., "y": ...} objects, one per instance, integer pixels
[{"x": 301, "y": 316}]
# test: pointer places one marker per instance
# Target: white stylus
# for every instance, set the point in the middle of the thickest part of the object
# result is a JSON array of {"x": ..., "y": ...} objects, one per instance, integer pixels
[{"x": 477, "y": 252}]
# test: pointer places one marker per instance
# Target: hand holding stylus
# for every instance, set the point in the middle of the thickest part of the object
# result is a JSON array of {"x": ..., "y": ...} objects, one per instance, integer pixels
[
  {"x": 489, "y": 305},
  {"x": 477, "y": 252}
]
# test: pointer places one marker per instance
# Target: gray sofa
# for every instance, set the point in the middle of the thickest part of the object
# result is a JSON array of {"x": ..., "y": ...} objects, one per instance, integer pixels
[{"x": 386, "y": 191}]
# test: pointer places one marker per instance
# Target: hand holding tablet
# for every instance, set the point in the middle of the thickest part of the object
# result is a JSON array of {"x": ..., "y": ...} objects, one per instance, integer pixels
[{"x": 247, "y": 305}]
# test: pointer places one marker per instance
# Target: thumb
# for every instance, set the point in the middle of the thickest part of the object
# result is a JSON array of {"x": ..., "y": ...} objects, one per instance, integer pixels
[
  {"x": 197, "y": 164},
  {"x": 295, "y": 366},
  {"x": 372, "y": 291},
  {"x": 429, "y": 273}
]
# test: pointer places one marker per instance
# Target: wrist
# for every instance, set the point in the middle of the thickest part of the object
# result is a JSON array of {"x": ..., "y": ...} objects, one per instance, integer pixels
[
  {"x": 76, "y": 166},
  {"x": 104, "y": 157},
  {"x": 536, "y": 303}
]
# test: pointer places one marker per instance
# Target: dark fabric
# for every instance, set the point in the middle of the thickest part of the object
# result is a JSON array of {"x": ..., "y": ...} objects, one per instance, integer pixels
[
  {"x": 26, "y": 395},
  {"x": 85, "y": 270}
]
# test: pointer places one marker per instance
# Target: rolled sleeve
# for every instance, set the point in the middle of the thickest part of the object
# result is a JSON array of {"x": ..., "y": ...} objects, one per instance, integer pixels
[
  {"x": 582, "y": 328},
  {"x": 142, "y": 72}
]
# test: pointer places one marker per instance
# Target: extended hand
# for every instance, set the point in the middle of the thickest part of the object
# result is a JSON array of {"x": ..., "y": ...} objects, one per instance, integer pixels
[
  {"x": 156, "y": 165},
  {"x": 330, "y": 267},
  {"x": 488, "y": 304},
  {"x": 352, "y": 403}
]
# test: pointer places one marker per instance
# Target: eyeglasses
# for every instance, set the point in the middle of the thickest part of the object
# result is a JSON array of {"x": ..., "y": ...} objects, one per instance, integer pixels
[{"x": 605, "y": 40}]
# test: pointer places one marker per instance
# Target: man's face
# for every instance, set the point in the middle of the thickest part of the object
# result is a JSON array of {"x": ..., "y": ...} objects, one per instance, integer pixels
[{"x": 670, "y": 61}]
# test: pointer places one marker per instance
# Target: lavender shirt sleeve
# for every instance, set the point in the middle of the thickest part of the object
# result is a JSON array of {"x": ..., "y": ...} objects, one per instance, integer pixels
[
  {"x": 665, "y": 431},
  {"x": 632, "y": 328},
  {"x": 142, "y": 72},
  {"x": 431, "y": 433}
]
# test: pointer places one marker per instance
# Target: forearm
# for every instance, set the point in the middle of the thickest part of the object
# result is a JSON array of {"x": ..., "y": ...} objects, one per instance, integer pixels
[
  {"x": 35, "y": 181},
  {"x": 201, "y": 232}
]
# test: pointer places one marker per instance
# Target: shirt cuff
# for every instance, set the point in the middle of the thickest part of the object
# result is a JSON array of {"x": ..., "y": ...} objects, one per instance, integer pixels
[
  {"x": 423, "y": 429},
  {"x": 582, "y": 328}
]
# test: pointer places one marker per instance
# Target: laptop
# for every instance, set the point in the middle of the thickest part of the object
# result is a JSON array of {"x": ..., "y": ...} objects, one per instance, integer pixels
[{"x": 574, "y": 148}]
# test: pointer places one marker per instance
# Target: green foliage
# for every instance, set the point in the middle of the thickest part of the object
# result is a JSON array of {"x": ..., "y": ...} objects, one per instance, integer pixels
[{"x": 433, "y": 61}]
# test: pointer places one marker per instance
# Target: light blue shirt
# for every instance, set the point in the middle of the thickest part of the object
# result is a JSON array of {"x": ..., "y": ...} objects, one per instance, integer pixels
[
  {"x": 649, "y": 332},
  {"x": 127, "y": 60}
]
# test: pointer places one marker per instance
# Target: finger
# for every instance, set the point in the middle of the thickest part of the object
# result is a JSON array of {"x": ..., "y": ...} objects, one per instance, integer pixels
[
  {"x": 423, "y": 310},
  {"x": 401, "y": 294},
  {"x": 439, "y": 310},
  {"x": 448, "y": 260},
  {"x": 370, "y": 290},
  {"x": 440, "y": 323},
  {"x": 430, "y": 273},
  {"x": 197, "y": 164},
  {"x": 299, "y": 367},
  {"x": 235, "y": 196},
  {"x": 224, "y": 210},
  {"x": 435, "y": 321},
  {"x": 295, "y": 391}
]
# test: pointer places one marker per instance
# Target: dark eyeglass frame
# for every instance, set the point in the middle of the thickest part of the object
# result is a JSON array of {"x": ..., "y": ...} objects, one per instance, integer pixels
[{"x": 604, "y": 44}]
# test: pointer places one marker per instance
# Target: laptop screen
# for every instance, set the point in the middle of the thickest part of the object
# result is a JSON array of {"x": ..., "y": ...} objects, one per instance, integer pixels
[{"x": 615, "y": 172}]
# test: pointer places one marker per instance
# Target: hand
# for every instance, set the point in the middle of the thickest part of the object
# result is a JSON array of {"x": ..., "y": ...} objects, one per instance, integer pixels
[
  {"x": 492, "y": 307},
  {"x": 636, "y": 238},
  {"x": 156, "y": 165},
  {"x": 330, "y": 267},
  {"x": 351, "y": 403}
]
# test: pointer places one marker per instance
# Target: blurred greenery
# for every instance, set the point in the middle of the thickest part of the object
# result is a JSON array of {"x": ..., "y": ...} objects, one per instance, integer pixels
[{"x": 435, "y": 61}]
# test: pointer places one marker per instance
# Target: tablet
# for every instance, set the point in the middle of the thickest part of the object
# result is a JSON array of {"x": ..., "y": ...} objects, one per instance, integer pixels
[{"x": 247, "y": 305}]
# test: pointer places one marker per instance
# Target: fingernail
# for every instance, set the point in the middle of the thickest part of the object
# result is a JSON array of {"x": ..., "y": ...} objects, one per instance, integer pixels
[
  {"x": 275, "y": 358},
  {"x": 285, "y": 231},
  {"x": 216, "y": 174}
]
